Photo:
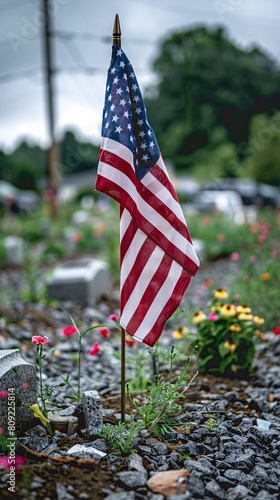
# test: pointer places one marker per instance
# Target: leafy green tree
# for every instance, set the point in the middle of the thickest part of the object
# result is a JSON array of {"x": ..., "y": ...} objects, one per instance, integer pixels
[
  {"x": 204, "y": 81},
  {"x": 262, "y": 150},
  {"x": 25, "y": 176},
  {"x": 77, "y": 156}
]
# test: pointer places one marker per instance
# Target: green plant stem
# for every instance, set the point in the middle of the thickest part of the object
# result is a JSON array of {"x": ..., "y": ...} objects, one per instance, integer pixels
[
  {"x": 167, "y": 405},
  {"x": 45, "y": 411},
  {"x": 79, "y": 368},
  {"x": 171, "y": 363}
]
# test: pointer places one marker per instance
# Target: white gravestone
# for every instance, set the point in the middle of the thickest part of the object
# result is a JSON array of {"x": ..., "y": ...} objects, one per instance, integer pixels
[
  {"x": 17, "y": 393},
  {"x": 82, "y": 281}
]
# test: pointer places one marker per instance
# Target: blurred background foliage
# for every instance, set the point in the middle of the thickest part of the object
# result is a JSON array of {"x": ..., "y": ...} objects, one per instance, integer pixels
[{"x": 213, "y": 106}]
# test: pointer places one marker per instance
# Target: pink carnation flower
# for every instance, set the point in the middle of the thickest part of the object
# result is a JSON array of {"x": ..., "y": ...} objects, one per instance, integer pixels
[
  {"x": 114, "y": 317},
  {"x": 95, "y": 349},
  {"x": 69, "y": 330},
  {"x": 37, "y": 339},
  {"x": 213, "y": 317},
  {"x": 234, "y": 257},
  {"x": 104, "y": 331},
  {"x": 4, "y": 394},
  {"x": 130, "y": 343}
]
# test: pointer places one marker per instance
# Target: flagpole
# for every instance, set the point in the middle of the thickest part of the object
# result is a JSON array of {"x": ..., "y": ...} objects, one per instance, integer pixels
[{"x": 117, "y": 41}]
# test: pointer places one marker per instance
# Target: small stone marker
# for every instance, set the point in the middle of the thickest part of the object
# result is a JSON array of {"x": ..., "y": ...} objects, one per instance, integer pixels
[
  {"x": 80, "y": 218},
  {"x": 199, "y": 248},
  {"x": 16, "y": 391},
  {"x": 14, "y": 250},
  {"x": 69, "y": 239},
  {"x": 81, "y": 280},
  {"x": 92, "y": 411},
  {"x": 61, "y": 423}
]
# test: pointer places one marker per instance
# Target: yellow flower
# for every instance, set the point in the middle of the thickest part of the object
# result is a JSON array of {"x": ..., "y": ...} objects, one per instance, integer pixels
[
  {"x": 259, "y": 333},
  {"x": 177, "y": 335},
  {"x": 243, "y": 309},
  {"x": 38, "y": 414},
  {"x": 220, "y": 293},
  {"x": 258, "y": 320},
  {"x": 235, "y": 328},
  {"x": 228, "y": 310},
  {"x": 265, "y": 276},
  {"x": 216, "y": 307},
  {"x": 245, "y": 316},
  {"x": 230, "y": 346},
  {"x": 180, "y": 333},
  {"x": 198, "y": 317}
]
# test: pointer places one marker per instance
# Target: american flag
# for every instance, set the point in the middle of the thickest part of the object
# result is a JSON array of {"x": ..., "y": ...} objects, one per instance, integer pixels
[{"x": 156, "y": 252}]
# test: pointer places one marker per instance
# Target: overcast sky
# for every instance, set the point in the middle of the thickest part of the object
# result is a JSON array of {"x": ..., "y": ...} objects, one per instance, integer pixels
[{"x": 79, "y": 91}]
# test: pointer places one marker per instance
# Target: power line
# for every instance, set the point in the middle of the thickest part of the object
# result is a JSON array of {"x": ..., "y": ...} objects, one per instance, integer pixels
[
  {"x": 69, "y": 35},
  {"x": 20, "y": 74},
  {"x": 13, "y": 4}
]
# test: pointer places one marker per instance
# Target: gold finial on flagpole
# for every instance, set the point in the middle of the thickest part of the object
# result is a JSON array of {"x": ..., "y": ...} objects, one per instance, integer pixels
[{"x": 117, "y": 35}]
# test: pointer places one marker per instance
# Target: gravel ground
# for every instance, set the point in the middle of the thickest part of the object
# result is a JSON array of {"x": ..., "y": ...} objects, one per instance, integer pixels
[{"x": 236, "y": 459}]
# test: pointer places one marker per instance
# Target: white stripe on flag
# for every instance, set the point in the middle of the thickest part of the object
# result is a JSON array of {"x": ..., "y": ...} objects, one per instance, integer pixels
[
  {"x": 162, "y": 225},
  {"x": 159, "y": 302},
  {"x": 142, "y": 283}
]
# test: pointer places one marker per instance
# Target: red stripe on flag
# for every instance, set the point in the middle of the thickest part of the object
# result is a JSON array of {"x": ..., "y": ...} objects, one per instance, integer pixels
[
  {"x": 125, "y": 199},
  {"x": 170, "y": 307},
  {"x": 140, "y": 261},
  {"x": 150, "y": 294},
  {"x": 125, "y": 168}
]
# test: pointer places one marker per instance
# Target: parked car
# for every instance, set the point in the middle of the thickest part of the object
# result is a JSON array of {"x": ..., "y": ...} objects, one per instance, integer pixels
[
  {"x": 252, "y": 193},
  {"x": 227, "y": 202},
  {"x": 18, "y": 200}
]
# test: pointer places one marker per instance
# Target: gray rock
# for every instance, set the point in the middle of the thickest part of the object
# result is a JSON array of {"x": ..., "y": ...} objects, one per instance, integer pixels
[
  {"x": 122, "y": 495},
  {"x": 214, "y": 489},
  {"x": 231, "y": 396},
  {"x": 159, "y": 449},
  {"x": 62, "y": 493},
  {"x": 135, "y": 462},
  {"x": 195, "y": 486},
  {"x": 260, "y": 475},
  {"x": 237, "y": 493},
  {"x": 36, "y": 438},
  {"x": 263, "y": 495},
  {"x": 239, "y": 477},
  {"x": 202, "y": 466},
  {"x": 132, "y": 480}
]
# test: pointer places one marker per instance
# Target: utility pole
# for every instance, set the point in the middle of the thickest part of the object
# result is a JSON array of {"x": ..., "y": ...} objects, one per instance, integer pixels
[{"x": 52, "y": 157}]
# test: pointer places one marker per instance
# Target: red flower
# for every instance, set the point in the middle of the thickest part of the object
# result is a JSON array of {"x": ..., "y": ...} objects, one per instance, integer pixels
[
  {"x": 114, "y": 317},
  {"x": 131, "y": 343},
  {"x": 18, "y": 460},
  {"x": 37, "y": 339},
  {"x": 276, "y": 330},
  {"x": 104, "y": 331},
  {"x": 4, "y": 394},
  {"x": 69, "y": 330},
  {"x": 95, "y": 349},
  {"x": 234, "y": 257}
]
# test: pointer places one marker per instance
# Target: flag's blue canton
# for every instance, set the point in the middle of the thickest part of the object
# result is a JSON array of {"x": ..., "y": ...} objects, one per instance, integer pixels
[{"x": 124, "y": 116}]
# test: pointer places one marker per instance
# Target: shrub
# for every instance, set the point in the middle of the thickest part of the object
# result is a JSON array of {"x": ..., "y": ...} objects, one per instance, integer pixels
[{"x": 226, "y": 337}]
